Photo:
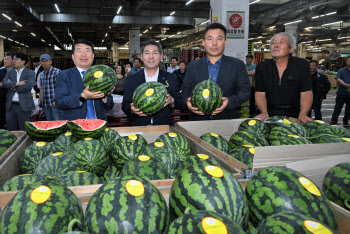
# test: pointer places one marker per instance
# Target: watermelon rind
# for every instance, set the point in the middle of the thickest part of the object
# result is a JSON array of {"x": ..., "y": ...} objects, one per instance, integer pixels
[
  {"x": 48, "y": 134},
  {"x": 100, "y": 78},
  {"x": 18, "y": 182},
  {"x": 77, "y": 128}
]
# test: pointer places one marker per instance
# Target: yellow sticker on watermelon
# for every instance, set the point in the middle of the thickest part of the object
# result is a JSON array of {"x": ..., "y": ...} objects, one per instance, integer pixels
[
  {"x": 132, "y": 137},
  {"x": 309, "y": 186},
  {"x": 316, "y": 228},
  {"x": 214, "y": 171},
  {"x": 286, "y": 121},
  {"x": 158, "y": 144},
  {"x": 252, "y": 150},
  {"x": 57, "y": 154},
  {"x": 202, "y": 156},
  {"x": 68, "y": 134},
  {"x": 252, "y": 122},
  {"x": 346, "y": 139},
  {"x": 206, "y": 93},
  {"x": 149, "y": 92},
  {"x": 41, "y": 194},
  {"x": 214, "y": 134},
  {"x": 144, "y": 158},
  {"x": 294, "y": 136},
  {"x": 172, "y": 134},
  {"x": 98, "y": 74},
  {"x": 212, "y": 225},
  {"x": 41, "y": 144},
  {"x": 135, "y": 188}
]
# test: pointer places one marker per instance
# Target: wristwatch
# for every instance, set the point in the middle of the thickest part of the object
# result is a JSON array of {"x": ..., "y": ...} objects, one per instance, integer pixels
[{"x": 82, "y": 99}]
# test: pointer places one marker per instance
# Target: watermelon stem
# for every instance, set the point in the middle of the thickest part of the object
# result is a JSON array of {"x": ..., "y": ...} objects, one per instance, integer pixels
[
  {"x": 72, "y": 223},
  {"x": 347, "y": 204},
  {"x": 187, "y": 210},
  {"x": 167, "y": 84}
]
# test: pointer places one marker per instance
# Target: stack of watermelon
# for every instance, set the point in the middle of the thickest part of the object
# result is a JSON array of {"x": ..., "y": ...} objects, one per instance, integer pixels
[{"x": 7, "y": 138}]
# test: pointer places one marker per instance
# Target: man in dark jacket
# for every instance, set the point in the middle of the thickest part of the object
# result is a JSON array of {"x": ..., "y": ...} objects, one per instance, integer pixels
[
  {"x": 8, "y": 63},
  {"x": 320, "y": 88}
]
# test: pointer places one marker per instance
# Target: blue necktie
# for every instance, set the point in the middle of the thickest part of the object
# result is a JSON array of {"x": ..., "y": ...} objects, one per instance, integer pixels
[{"x": 90, "y": 106}]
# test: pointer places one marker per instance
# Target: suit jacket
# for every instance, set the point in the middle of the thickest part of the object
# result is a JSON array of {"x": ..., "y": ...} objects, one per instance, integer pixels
[
  {"x": 163, "y": 117},
  {"x": 232, "y": 79},
  {"x": 3, "y": 91},
  {"x": 69, "y": 86},
  {"x": 24, "y": 92}
]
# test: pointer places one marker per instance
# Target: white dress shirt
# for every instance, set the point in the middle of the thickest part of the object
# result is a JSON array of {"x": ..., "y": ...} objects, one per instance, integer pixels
[
  {"x": 37, "y": 69},
  {"x": 15, "y": 97},
  {"x": 171, "y": 69},
  {"x": 151, "y": 78}
]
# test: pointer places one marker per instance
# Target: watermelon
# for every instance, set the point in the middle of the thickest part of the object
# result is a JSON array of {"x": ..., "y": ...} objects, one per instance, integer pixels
[
  {"x": 150, "y": 97},
  {"x": 282, "y": 130},
  {"x": 146, "y": 167},
  {"x": 57, "y": 166},
  {"x": 64, "y": 142},
  {"x": 217, "y": 141},
  {"x": 111, "y": 173},
  {"x": 246, "y": 137},
  {"x": 336, "y": 185},
  {"x": 108, "y": 138},
  {"x": 32, "y": 156},
  {"x": 332, "y": 130},
  {"x": 100, "y": 78},
  {"x": 255, "y": 125},
  {"x": 85, "y": 128},
  {"x": 274, "y": 190},
  {"x": 42, "y": 207},
  {"x": 292, "y": 223},
  {"x": 211, "y": 188},
  {"x": 7, "y": 138},
  {"x": 129, "y": 204},
  {"x": 179, "y": 143},
  {"x": 312, "y": 126},
  {"x": 203, "y": 221},
  {"x": 206, "y": 96},
  {"x": 45, "y": 130},
  {"x": 328, "y": 139},
  {"x": 81, "y": 178},
  {"x": 18, "y": 182},
  {"x": 244, "y": 154},
  {"x": 126, "y": 148},
  {"x": 91, "y": 156},
  {"x": 165, "y": 154},
  {"x": 290, "y": 140},
  {"x": 198, "y": 159}
]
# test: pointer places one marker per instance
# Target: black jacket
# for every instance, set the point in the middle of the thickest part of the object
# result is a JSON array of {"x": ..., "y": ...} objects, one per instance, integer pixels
[{"x": 320, "y": 85}]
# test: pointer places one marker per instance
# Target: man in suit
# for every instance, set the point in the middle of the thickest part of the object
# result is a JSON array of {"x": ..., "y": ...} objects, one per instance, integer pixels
[
  {"x": 8, "y": 63},
  {"x": 151, "y": 55},
  {"x": 19, "y": 100},
  {"x": 227, "y": 72},
  {"x": 71, "y": 98}
]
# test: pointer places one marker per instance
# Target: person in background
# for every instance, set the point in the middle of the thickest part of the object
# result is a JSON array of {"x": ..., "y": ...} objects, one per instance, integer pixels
[
  {"x": 180, "y": 73},
  {"x": 37, "y": 69},
  {"x": 128, "y": 68},
  {"x": 19, "y": 100},
  {"x": 251, "y": 72},
  {"x": 8, "y": 64},
  {"x": 343, "y": 94},
  {"x": 320, "y": 88},
  {"x": 137, "y": 66},
  {"x": 75, "y": 101},
  {"x": 47, "y": 81},
  {"x": 174, "y": 66},
  {"x": 121, "y": 79}
]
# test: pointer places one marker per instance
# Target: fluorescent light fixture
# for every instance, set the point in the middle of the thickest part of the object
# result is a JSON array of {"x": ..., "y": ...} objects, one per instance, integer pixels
[
  {"x": 14, "y": 30},
  {"x": 110, "y": 27},
  {"x": 49, "y": 44},
  {"x": 70, "y": 34},
  {"x": 272, "y": 27},
  {"x": 126, "y": 43},
  {"x": 8, "y": 17},
  {"x": 106, "y": 34},
  {"x": 103, "y": 40},
  {"x": 338, "y": 22},
  {"x": 250, "y": 39},
  {"x": 33, "y": 34},
  {"x": 145, "y": 31},
  {"x": 17, "y": 42},
  {"x": 332, "y": 13},
  {"x": 26, "y": 46},
  {"x": 150, "y": 28},
  {"x": 140, "y": 34},
  {"x": 42, "y": 40},
  {"x": 308, "y": 28},
  {"x": 2, "y": 36},
  {"x": 9, "y": 39},
  {"x": 163, "y": 39},
  {"x": 123, "y": 48},
  {"x": 205, "y": 22},
  {"x": 178, "y": 32},
  {"x": 307, "y": 44},
  {"x": 294, "y": 22},
  {"x": 254, "y": 2},
  {"x": 261, "y": 37},
  {"x": 315, "y": 17},
  {"x": 188, "y": 2},
  {"x": 119, "y": 9},
  {"x": 325, "y": 40},
  {"x": 172, "y": 13},
  {"x": 58, "y": 10},
  {"x": 157, "y": 41},
  {"x": 18, "y": 24},
  {"x": 171, "y": 36}
]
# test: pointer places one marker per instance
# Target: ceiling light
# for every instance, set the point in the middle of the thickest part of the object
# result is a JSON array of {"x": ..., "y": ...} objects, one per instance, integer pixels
[
  {"x": 2, "y": 36},
  {"x": 6, "y": 16},
  {"x": 338, "y": 22},
  {"x": 33, "y": 34},
  {"x": 145, "y": 31},
  {"x": 42, "y": 40},
  {"x": 332, "y": 13},
  {"x": 110, "y": 27},
  {"x": 294, "y": 22},
  {"x": 26, "y": 46},
  {"x": 150, "y": 28},
  {"x": 14, "y": 30},
  {"x": 157, "y": 41},
  {"x": 272, "y": 27},
  {"x": 103, "y": 40},
  {"x": 126, "y": 43},
  {"x": 205, "y": 22},
  {"x": 163, "y": 39},
  {"x": 315, "y": 17},
  {"x": 254, "y": 2},
  {"x": 18, "y": 24},
  {"x": 70, "y": 34},
  {"x": 140, "y": 35},
  {"x": 188, "y": 2},
  {"x": 49, "y": 44},
  {"x": 325, "y": 40},
  {"x": 58, "y": 10},
  {"x": 119, "y": 9},
  {"x": 171, "y": 36},
  {"x": 106, "y": 34},
  {"x": 9, "y": 39},
  {"x": 172, "y": 13},
  {"x": 250, "y": 39},
  {"x": 308, "y": 27}
]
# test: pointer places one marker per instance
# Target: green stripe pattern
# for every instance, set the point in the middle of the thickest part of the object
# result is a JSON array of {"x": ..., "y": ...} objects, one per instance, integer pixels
[
  {"x": 282, "y": 130},
  {"x": 51, "y": 134},
  {"x": 80, "y": 133},
  {"x": 177, "y": 141},
  {"x": 81, "y": 178},
  {"x": 64, "y": 142},
  {"x": 32, "y": 156},
  {"x": 7, "y": 138},
  {"x": 217, "y": 141},
  {"x": 198, "y": 159},
  {"x": 18, "y": 182},
  {"x": 100, "y": 78},
  {"x": 255, "y": 125},
  {"x": 111, "y": 173},
  {"x": 244, "y": 154},
  {"x": 290, "y": 140},
  {"x": 108, "y": 138},
  {"x": 246, "y": 137}
]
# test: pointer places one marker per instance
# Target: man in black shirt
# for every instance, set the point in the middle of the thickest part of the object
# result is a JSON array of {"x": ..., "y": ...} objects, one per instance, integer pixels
[{"x": 283, "y": 84}]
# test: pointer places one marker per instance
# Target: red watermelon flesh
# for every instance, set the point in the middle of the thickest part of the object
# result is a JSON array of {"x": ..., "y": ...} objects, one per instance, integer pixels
[
  {"x": 90, "y": 124},
  {"x": 47, "y": 125}
]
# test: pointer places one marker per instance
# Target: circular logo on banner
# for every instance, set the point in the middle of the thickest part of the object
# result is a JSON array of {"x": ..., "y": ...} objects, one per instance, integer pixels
[
  {"x": 41, "y": 144},
  {"x": 236, "y": 21},
  {"x": 294, "y": 136},
  {"x": 212, "y": 226},
  {"x": 41, "y": 194},
  {"x": 68, "y": 134},
  {"x": 98, "y": 74},
  {"x": 158, "y": 144},
  {"x": 149, "y": 92},
  {"x": 57, "y": 154},
  {"x": 132, "y": 137},
  {"x": 87, "y": 139},
  {"x": 206, "y": 93},
  {"x": 144, "y": 158},
  {"x": 309, "y": 186},
  {"x": 135, "y": 188},
  {"x": 214, "y": 171},
  {"x": 202, "y": 156},
  {"x": 172, "y": 134},
  {"x": 252, "y": 122},
  {"x": 214, "y": 134},
  {"x": 316, "y": 227}
]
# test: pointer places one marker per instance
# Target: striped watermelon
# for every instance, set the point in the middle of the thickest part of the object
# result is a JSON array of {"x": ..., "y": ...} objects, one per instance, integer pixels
[
  {"x": 18, "y": 182},
  {"x": 246, "y": 137},
  {"x": 57, "y": 166},
  {"x": 290, "y": 140},
  {"x": 328, "y": 139},
  {"x": 32, "y": 156},
  {"x": 129, "y": 204},
  {"x": 202, "y": 221},
  {"x": 282, "y": 130},
  {"x": 81, "y": 178},
  {"x": 7, "y": 138},
  {"x": 108, "y": 138},
  {"x": 255, "y": 125},
  {"x": 45, "y": 130},
  {"x": 274, "y": 190},
  {"x": 127, "y": 148},
  {"x": 332, "y": 130},
  {"x": 179, "y": 143},
  {"x": 111, "y": 173},
  {"x": 210, "y": 188},
  {"x": 100, "y": 78},
  {"x": 64, "y": 142},
  {"x": 244, "y": 154},
  {"x": 91, "y": 156},
  {"x": 206, "y": 96},
  {"x": 150, "y": 97},
  {"x": 84, "y": 128},
  {"x": 336, "y": 185},
  {"x": 42, "y": 207},
  {"x": 292, "y": 223},
  {"x": 163, "y": 153},
  {"x": 198, "y": 159},
  {"x": 146, "y": 167},
  {"x": 312, "y": 126},
  {"x": 217, "y": 141}
]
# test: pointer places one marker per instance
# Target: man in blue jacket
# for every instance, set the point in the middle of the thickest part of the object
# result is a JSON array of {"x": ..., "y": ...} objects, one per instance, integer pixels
[
  {"x": 71, "y": 98},
  {"x": 151, "y": 55},
  {"x": 227, "y": 72}
]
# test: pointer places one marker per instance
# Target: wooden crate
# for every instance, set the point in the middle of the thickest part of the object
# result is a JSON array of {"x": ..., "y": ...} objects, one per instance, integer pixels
[{"x": 20, "y": 137}]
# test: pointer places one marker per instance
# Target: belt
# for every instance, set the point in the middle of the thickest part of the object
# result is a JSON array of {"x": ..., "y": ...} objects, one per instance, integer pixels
[
  {"x": 290, "y": 111},
  {"x": 15, "y": 102}
]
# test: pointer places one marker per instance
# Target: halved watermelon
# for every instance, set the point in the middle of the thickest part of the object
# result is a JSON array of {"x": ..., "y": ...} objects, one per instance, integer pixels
[
  {"x": 83, "y": 128},
  {"x": 45, "y": 130}
]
